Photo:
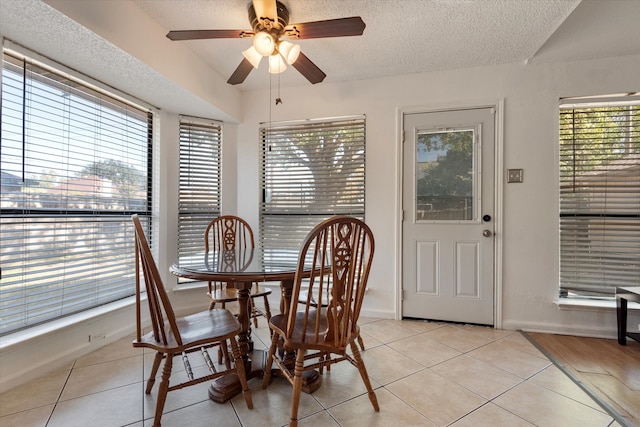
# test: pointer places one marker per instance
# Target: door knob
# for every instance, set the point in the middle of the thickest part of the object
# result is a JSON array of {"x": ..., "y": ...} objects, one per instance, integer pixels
[{"x": 487, "y": 233}]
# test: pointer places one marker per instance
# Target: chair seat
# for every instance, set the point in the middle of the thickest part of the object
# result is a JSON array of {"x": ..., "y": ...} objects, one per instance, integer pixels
[
  {"x": 195, "y": 330},
  {"x": 305, "y": 338}
]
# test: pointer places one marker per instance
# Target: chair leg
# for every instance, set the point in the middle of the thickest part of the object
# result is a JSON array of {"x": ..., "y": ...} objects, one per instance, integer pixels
[
  {"x": 154, "y": 370},
  {"x": 224, "y": 353},
  {"x": 360, "y": 342},
  {"x": 324, "y": 358},
  {"x": 267, "y": 312},
  {"x": 253, "y": 312},
  {"x": 164, "y": 388},
  {"x": 297, "y": 388},
  {"x": 365, "y": 376},
  {"x": 240, "y": 370},
  {"x": 266, "y": 378}
]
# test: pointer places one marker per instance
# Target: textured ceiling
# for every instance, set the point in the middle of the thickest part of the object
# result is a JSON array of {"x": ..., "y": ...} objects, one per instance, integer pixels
[{"x": 401, "y": 37}]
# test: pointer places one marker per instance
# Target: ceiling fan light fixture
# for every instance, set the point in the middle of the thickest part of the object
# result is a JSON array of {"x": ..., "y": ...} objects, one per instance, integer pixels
[
  {"x": 252, "y": 56},
  {"x": 276, "y": 64},
  {"x": 269, "y": 20},
  {"x": 290, "y": 51},
  {"x": 264, "y": 43}
]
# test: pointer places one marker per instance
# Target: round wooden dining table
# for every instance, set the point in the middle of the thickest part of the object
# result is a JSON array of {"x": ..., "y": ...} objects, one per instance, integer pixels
[{"x": 242, "y": 268}]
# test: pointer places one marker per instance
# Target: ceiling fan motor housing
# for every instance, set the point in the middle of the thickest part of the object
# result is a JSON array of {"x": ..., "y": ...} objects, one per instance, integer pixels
[{"x": 264, "y": 23}]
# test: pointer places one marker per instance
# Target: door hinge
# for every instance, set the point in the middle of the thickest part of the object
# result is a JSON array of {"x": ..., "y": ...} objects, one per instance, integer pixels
[{"x": 402, "y": 295}]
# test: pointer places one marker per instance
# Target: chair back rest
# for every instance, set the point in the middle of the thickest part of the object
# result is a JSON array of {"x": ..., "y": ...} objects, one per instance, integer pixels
[
  {"x": 228, "y": 232},
  {"x": 163, "y": 318},
  {"x": 338, "y": 251}
]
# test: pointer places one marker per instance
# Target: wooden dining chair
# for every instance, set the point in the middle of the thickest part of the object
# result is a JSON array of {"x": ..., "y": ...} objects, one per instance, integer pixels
[
  {"x": 338, "y": 253},
  {"x": 172, "y": 336},
  {"x": 229, "y": 232}
]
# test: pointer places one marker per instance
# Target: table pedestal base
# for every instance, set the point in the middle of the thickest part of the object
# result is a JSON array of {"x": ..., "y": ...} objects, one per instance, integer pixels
[
  {"x": 228, "y": 386},
  {"x": 311, "y": 381},
  {"x": 225, "y": 388}
]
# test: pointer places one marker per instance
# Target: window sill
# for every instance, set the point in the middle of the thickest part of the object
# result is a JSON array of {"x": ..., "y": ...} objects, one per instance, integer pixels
[
  {"x": 59, "y": 324},
  {"x": 592, "y": 304}
]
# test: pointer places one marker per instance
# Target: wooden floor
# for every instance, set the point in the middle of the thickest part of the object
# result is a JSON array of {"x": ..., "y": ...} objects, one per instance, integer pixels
[{"x": 608, "y": 370}]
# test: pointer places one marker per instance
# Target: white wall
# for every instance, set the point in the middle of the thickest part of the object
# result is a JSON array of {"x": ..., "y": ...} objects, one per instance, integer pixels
[{"x": 530, "y": 218}]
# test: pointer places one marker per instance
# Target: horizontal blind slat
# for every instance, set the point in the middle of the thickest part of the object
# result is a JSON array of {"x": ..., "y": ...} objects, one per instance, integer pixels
[
  {"x": 199, "y": 182},
  {"x": 599, "y": 198},
  {"x": 310, "y": 172},
  {"x": 67, "y": 195}
]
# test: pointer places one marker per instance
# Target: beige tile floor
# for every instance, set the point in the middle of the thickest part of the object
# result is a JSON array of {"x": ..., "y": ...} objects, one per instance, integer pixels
[{"x": 424, "y": 374}]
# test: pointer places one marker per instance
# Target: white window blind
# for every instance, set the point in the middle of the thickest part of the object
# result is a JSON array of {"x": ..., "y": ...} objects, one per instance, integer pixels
[
  {"x": 599, "y": 197},
  {"x": 199, "y": 188},
  {"x": 311, "y": 171},
  {"x": 75, "y": 165}
]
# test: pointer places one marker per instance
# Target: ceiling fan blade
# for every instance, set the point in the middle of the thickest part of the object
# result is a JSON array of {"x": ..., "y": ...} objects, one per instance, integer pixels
[
  {"x": 266, "y": 9},
  {"x": 241, "y": 72},
  {"x": 309, "y": 69},
  {"x": 353, "y": 26},
  {"x": 207, "y": 34}
]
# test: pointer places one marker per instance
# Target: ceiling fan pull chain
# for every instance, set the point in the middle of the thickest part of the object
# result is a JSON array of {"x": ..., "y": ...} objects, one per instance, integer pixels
[{"x": 278, "y": 99}]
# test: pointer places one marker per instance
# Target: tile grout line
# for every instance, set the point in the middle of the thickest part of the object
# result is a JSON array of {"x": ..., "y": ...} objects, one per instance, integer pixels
[
  {"x": 604, "y": 405},
  {"x": 66, "y": 381}
]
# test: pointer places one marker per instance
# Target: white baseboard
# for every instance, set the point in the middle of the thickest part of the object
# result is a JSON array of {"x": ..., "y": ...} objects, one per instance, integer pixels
[{"x": 380, "y": 314}]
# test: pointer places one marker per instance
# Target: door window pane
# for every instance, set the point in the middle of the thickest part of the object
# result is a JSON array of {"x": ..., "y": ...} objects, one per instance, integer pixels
[{"x": 445, "y": 175}]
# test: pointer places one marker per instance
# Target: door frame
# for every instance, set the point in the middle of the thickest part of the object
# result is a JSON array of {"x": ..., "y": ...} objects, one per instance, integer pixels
[{"x": 498, "y": 194}]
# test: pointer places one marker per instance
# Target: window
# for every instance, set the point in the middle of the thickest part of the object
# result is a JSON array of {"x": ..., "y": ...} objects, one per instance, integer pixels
[
  {"x": 311, "y": 171},
  {"x": 599, "y": 196},
  {"x": 199, "y": 188},
  {"x": 75, "y": 163}
]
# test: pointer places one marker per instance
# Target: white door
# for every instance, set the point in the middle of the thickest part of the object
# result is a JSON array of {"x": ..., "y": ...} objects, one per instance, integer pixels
[{"x": 448, "y": 203}]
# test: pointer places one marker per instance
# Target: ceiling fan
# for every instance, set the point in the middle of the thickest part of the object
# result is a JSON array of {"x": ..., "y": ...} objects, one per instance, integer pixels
[{"x": 271, "y": 33}]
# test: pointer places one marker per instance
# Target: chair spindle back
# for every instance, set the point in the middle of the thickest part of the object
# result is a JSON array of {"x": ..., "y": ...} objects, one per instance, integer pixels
[
  {"x": 339, "y": 252},
  {"x": 228, "y": 232},
  {"x": 160, "y": 309}
]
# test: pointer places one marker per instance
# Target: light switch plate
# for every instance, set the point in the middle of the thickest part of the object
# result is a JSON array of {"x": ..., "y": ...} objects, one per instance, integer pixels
[{"x": 515, "y": 175}]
